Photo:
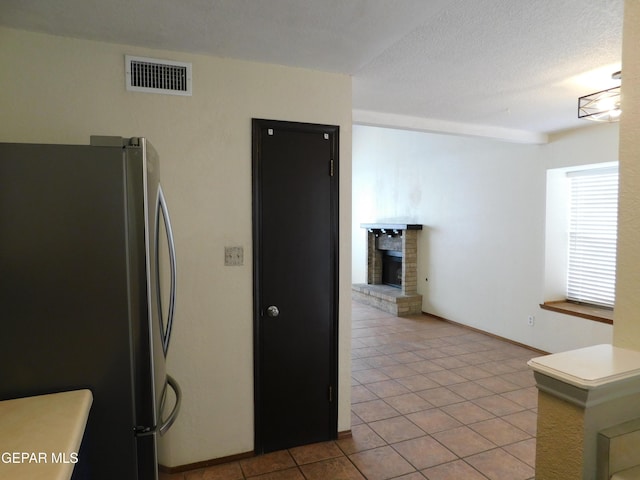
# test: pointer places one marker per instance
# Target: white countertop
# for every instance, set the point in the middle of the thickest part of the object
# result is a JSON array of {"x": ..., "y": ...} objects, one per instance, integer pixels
[
  {"x": 590, "y": 367},
  {"x": 40, "y": 436}
]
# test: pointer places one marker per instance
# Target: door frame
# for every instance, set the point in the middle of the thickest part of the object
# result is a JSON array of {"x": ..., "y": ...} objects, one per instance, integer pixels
[{"x": 258, "y": 126}]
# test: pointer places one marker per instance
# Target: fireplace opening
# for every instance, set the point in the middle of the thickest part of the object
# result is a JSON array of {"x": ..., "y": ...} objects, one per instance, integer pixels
[{"x": 392, "y": 268}]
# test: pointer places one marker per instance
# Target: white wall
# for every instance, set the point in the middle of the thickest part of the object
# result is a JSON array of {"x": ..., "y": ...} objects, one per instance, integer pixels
[
  {"x": 482, "y": 203},
  {"x": 61, "y": 90}
]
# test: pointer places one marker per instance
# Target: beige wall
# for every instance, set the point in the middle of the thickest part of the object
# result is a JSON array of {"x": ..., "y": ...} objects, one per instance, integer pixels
[
  {"x": 61, "y": 90},
  {"x": 627, "y": 314}
]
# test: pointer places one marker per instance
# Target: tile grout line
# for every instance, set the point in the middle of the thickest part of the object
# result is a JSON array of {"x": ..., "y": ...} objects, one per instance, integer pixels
[{"x": 494, "y": 415}]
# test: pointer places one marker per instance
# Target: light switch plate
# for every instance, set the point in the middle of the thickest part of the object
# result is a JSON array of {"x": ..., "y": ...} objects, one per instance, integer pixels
[{"x": 233, "y": 256}]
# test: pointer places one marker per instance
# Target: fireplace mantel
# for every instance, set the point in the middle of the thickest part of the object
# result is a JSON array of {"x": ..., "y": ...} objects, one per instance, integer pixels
[{"x": 391, "y": 226}]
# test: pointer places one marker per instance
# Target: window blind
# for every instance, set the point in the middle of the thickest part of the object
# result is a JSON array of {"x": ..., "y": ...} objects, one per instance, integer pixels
[{"x": 593, "y": 225}]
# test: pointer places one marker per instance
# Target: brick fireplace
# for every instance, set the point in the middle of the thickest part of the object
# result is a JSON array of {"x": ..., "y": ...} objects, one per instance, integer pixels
[{"x": 392, "y": 269}]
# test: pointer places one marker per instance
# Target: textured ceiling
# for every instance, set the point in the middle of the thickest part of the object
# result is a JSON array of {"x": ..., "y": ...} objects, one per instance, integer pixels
[{"x": 510, "y": 69}]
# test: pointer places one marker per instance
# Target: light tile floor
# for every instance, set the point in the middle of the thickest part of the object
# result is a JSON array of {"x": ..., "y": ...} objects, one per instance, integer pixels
[{"x": 430, "y": 400}]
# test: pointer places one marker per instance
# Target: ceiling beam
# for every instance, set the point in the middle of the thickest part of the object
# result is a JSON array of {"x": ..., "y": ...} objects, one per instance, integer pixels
[{"x": 431, "y": 125}]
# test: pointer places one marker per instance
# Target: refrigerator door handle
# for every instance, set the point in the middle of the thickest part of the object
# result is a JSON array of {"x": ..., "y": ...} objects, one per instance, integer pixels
[
  {"x": 166, "y": 424},
  {"x": 166, "y": 332}
]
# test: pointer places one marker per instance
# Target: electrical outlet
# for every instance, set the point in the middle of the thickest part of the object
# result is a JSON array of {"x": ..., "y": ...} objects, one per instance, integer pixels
[
  {"x": 531, "y": 320},
  {"x": 233, "y": 256}
]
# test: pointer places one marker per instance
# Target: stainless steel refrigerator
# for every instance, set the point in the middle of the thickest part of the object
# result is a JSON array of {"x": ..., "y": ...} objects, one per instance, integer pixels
[{"x": 85, "y": 244}]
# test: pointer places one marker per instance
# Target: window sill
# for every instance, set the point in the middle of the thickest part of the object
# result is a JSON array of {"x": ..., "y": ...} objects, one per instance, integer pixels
[{"x": 590, "y": 312}]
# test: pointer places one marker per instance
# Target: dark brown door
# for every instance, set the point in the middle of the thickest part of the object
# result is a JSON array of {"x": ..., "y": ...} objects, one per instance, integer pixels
[{"x": 295, "y": 208}]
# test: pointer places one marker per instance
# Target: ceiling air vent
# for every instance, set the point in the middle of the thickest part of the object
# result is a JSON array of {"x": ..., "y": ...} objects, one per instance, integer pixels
[{"x": 157, "y": 76}]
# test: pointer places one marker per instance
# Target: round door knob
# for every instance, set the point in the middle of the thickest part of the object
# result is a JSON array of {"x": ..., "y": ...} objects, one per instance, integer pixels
[{"x": 273, "y": 311}]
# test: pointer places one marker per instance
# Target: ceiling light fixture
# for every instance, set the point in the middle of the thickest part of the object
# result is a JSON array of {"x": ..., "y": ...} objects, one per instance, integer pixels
[{"x": 603, "y": 106}]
